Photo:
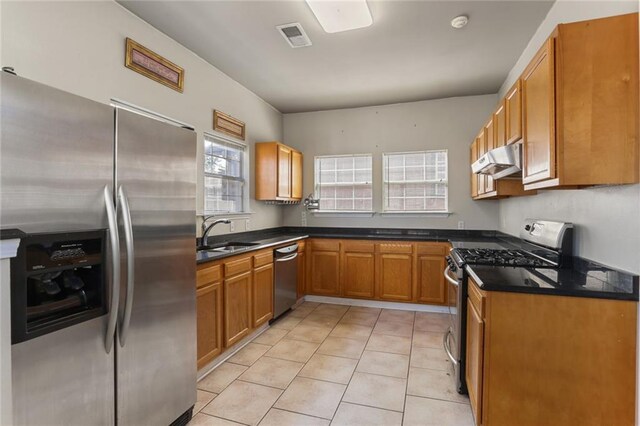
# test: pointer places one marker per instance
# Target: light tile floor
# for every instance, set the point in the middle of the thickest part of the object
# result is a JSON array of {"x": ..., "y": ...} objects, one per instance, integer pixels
[{"x": 327, "y": 364}]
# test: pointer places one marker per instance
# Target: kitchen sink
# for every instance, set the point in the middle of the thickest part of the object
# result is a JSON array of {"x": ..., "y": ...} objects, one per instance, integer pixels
[{"x": 227, "y": 247}]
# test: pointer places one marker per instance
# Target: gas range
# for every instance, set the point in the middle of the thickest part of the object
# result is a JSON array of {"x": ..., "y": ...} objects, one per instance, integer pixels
[
  {"x": 500, "y": 257},
  {"x": 543, "y": 245}
]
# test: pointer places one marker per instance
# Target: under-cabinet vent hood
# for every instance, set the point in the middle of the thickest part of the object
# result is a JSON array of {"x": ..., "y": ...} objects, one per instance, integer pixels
[{"x": 505, "y": 161}]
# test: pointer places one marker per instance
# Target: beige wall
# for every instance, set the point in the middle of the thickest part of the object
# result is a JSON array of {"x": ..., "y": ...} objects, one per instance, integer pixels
[
  {"x": 79, "y": 47},
  {"x": 607, "y": 219},
  {"x": 447, "y": 123}
]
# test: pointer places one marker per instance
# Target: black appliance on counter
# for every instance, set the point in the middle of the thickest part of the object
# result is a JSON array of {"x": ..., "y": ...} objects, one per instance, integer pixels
[
  {"x": 543, "y": 244},
  {"x": 57, "y": 280}
]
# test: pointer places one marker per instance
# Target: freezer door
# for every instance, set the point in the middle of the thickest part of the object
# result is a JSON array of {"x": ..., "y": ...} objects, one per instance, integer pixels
[
  {"x": 56, "y": 158},
  {"x": 156, "y": 348}
]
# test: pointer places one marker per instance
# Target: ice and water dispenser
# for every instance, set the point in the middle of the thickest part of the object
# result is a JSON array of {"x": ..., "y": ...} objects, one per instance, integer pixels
[{"x": 57, "y": 280}]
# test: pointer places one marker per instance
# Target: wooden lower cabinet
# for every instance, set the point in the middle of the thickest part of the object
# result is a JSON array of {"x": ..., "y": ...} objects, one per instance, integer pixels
[
  {"x": 324, "y": 268},
  {"x": 535, "y": 359},
  {"x": 475, "y": 353},
  {"x": 262, "y": 295},
  {"x": 302, "y": 270},
  {"x": 209, "y": 322},
  {"x": 358, "y": 269},
  {"x": 431, "y": 284},
  {"x": 394, "y": 271},
  {"x": 237, "y": 307}
]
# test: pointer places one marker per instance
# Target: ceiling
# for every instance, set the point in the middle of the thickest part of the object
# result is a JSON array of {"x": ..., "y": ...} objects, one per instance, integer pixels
[{"x": 410, "y": 52}]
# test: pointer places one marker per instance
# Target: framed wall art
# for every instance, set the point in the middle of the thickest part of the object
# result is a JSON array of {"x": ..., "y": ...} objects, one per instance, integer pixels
[{"x": 151, "y": 65}]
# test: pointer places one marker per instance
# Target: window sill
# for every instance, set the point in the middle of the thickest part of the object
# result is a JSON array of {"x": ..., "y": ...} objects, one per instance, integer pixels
[
  {"x": 338, "y": 213},
  {"x": 222, "y": 214},
  {"x": 415, "y": 214}
]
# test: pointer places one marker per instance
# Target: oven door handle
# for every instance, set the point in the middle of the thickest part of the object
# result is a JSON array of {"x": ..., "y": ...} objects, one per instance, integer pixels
[
  {"x": 447, "y": 348},
  {"x": 448, "y": 277}
]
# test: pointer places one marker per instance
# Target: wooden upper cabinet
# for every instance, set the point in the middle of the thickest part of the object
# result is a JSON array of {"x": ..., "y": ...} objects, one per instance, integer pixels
[
  {"x": 474, "y": 177},
  {"x": 481, "y": 143},
  {"x": 278, "y": 175},
  {"x": 358, "y": 269},
  {"x": 500, "y": 125},
  {"x": 538, "y": 104},
  {"x": 284, "y": 171},
  {"x": 394, "y": 271},
  {"x": 512, "y": 105},
  {"x": 489, "y": 136},
  {"x": 296, "y": 175},
  {"x": 323, "y": 275}
]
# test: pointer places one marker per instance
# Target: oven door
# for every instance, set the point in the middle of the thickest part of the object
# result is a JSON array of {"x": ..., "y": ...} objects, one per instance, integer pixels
[{"x": 452, "y": 340}]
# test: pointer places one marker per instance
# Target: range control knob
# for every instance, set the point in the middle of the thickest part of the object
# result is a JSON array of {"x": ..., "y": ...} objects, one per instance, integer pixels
[{"x": 527, "y": 227}]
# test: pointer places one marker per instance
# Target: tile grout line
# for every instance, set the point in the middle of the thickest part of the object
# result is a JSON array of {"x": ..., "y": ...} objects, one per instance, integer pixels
[
  {"x": 406, "y": 387},
  {"x": 354, "y": 370}
]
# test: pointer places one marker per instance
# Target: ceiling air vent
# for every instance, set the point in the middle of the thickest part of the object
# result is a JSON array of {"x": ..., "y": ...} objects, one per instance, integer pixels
[{"x": 294, "y": 34}]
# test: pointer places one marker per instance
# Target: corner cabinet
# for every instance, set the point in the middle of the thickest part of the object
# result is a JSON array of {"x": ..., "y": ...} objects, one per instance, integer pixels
[{"x": 278, "y": 175}]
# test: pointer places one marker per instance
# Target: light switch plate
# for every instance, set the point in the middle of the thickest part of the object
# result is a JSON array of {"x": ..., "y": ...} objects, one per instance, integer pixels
[
  {"x": 461, "y": 224},
  {"x": 247, "y": 225},
  {"x": 232, "y": 226},
  {"x": 303, "y": 220}
]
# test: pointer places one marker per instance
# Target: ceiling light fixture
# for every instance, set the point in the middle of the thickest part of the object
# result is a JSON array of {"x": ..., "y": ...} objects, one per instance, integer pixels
[
  {"x": 337, "y": 16},
  {"x": 459, "y": 21}
]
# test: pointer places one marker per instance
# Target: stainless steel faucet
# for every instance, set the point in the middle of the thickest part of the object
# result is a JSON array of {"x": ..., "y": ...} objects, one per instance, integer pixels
[{"x": 206, "y": 229}]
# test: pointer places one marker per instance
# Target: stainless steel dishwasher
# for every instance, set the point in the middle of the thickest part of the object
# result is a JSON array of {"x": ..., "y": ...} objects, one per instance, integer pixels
[{"x": 284, "y": 292}]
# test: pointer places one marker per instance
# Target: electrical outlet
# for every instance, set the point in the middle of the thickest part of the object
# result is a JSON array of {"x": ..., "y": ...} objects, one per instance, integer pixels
[
  {"x": 461, "y": 224},
  {"x": 303, "y": 220},
  {"x": 232, "y": 226},
  {"x": 247, "y": 224}
]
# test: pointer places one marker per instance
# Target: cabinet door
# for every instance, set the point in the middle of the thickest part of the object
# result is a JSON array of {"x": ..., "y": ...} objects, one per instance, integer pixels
[
  {"x": 262, "y": 294},
  {"x": 296, "y": 174},
  {"x": 358, "y": 278},
  {"x": 482, "y": 148},
  {"x": 489, "y": 136},
  {"x": 395, "y": 276},
  {"x": 432, "y": 288},
  {"x": 324, "y": 276},
  {"x": 284, "y": 172},
  {"x": 475, "y": 359},
  {"x": 237, "y": 308},
  {"x": 500, "y": 125},
  {"x": 513, "y": 112},
  {"x": 302, "y": 273},
  {"x": 209, "y": 323},
  {"x": 474, "y": 177},
  {"x": 538, "y": 103}
]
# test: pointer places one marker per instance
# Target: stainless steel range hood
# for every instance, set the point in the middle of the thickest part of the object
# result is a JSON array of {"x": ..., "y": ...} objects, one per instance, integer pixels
[{"x": 500, "y": 162}]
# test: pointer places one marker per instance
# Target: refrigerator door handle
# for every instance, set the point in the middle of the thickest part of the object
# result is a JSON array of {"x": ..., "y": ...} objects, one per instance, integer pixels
[
  {"x": 128, "y": 238},
  {"x": 115, "y": 269}
]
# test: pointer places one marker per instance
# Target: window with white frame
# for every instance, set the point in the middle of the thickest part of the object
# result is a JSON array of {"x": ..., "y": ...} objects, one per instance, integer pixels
[
  {"x": 224, "y": 180},
  {"x": 415, "y": 181},
  {"x": 343, "y": 182}
]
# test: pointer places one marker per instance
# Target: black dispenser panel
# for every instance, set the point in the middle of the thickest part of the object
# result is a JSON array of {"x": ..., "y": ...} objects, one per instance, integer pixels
[{"x": 57, "y": 280}]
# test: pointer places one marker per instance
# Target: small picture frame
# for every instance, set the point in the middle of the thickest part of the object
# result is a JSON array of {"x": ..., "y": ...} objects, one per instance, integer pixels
[
  {"x": 151, "y": 65},
  {"x": 227, "y": 124}
]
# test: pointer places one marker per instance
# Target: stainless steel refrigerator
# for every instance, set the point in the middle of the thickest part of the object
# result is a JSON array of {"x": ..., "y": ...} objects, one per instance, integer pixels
[{"x": 71, "y": 164}]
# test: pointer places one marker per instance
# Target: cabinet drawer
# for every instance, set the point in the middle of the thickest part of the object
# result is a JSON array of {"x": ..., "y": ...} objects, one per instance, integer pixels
[
  {"x": 325, "y": 245},
  {"x": 359, "y": 246},
  {"x": 476, "y": 297},
  {"x": 263, "y": 258},
  {"x": 208, "y": 274},
  {"x": 433, "y": 249},
  {"x": 395, "y": 248},
  {"x": 235, "y": 267}
]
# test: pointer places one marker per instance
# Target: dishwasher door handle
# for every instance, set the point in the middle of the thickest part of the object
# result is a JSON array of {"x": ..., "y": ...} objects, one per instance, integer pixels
[{"x": 287, "y": 258}]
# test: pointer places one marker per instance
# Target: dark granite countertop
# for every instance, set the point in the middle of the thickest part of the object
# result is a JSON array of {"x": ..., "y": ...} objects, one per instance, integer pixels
[
  {"x": 277, "y": 236},
  {"x": 582, "y": 278}
]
